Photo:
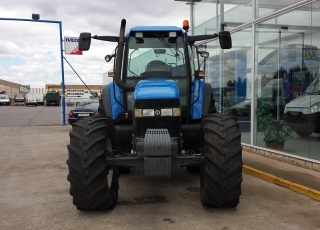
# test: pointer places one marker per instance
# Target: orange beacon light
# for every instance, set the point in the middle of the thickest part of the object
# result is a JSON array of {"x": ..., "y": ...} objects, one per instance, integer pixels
[{"x": 185, "y": 25}]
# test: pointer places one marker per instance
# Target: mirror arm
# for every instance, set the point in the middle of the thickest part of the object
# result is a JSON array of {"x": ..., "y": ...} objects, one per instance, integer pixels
[
  {"x": 201, "y": 37},
  {"x": 106, "y": 38}
]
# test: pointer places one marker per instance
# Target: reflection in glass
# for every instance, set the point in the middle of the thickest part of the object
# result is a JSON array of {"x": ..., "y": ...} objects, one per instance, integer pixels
[{"x": 287, "y": 68}]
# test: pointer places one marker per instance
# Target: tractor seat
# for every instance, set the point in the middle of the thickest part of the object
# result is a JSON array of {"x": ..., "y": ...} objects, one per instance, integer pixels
[{"x": 157, "y": 65}]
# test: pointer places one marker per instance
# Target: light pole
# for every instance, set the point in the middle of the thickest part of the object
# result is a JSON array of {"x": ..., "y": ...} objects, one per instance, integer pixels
[{"x": 36, "y": 18}]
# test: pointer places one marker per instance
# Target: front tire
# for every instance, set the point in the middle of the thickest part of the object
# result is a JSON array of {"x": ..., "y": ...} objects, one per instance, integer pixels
[
  {"x": 92, "y": 186},
  {"x": 221, "y": 178}
]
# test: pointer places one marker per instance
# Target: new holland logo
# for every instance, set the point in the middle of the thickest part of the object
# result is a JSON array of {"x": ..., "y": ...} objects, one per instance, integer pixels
[{"x": 157, "y": 112}]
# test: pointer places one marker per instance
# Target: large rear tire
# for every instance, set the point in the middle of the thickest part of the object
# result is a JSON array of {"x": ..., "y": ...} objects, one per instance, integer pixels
[
  {"x": 221, "y": 178},
  {"x": 92, "y": 186}
]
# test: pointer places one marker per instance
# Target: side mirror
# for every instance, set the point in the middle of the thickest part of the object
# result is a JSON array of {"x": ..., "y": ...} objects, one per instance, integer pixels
[
  {"x": 84, "y": 41},
  {"x": 225, "y": 40}
]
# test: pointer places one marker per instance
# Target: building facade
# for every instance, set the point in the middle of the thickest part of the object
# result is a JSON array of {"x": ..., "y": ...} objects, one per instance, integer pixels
[
  {"x": 73, "y": 92},
  {"x": 76, "y": 93},
  {"x": 12, "y": 89},
  {"x": 57, "y": 87},
  {"x": 275, "y": 60}
]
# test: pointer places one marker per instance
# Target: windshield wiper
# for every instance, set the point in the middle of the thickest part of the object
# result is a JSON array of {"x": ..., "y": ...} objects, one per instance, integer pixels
[
  {"x": 174, "y": 51},
  {"x": 166, "y": 44}
]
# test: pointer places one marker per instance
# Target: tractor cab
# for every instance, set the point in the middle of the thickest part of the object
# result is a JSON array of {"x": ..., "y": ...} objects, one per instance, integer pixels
[
  {"x": 163, "y": 52},
  {"x": 157, "y": 52}
]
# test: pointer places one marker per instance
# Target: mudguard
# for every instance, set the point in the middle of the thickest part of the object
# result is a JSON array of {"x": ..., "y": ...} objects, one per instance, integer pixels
[
  {"x": 197, "y": 99},
  {"x": 112, "y": 100}
]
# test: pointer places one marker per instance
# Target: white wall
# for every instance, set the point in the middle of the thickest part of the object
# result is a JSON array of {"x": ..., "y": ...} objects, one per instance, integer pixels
[{"x": 38, "y": 90}]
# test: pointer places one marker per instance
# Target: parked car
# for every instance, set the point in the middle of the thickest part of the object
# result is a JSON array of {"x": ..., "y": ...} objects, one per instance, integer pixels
[
  {"x": 242, "y": 110},
  {"x": 84, "y": 109},
  {"x": 4, "y": 99},
  {"x": 19, "y": 98}
]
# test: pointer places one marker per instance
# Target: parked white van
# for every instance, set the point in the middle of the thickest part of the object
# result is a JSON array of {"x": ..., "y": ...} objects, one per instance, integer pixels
[
  {"x": 302, "y": 114},
  {"x": 40, "y": 97},
  {"x": 31, "y": 99}
]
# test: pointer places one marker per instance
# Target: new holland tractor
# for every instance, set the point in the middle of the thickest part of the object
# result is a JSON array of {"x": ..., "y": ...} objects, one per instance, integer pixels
[{"x": 157, "y": 116}]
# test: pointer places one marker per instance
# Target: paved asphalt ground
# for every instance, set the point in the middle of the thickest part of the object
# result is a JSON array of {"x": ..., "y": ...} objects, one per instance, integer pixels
[{"x": 34, "y": 191}]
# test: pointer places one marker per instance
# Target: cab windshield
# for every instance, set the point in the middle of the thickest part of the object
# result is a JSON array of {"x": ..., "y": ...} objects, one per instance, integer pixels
[
  {"x": 156, "y": 51},
  {"x": 157, "y": 55}
]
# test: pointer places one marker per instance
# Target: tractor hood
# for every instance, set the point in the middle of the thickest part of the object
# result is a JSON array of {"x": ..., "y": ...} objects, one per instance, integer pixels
[{"x": 156, "y": 88}]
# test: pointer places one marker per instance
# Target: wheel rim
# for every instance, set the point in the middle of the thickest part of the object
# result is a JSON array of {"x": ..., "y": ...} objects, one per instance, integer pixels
[{"x": 110, "y": 172}]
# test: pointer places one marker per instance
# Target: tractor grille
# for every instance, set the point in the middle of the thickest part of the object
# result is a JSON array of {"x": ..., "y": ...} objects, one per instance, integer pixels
[{"x": 172, "y": 124}]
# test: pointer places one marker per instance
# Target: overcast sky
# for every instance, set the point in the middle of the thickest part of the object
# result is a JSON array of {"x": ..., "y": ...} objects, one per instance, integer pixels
[{"x": 30, "y": 52}]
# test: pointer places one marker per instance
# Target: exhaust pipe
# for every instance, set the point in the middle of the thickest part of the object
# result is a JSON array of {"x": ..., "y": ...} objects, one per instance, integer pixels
[{"x": 117, "y": 75}]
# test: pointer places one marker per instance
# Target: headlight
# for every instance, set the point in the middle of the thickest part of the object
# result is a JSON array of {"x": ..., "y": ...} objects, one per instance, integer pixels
[
  {"x": 313, "y": 109},
  {"x": 148, "y": 112},
  {"x": 166, "y": 112}
]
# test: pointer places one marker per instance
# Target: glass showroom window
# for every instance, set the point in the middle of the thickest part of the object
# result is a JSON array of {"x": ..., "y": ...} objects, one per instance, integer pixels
[
  {"x": 287, "y": 68},
  {"x": 284, "y": 71}
]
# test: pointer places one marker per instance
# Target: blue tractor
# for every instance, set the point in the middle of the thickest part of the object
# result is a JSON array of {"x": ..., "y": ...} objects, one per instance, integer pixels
[{"x": 157, "y": 116}]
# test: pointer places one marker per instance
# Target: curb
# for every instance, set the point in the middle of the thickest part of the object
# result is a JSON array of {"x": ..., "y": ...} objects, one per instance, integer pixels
[{"x": 312, "y": 193}]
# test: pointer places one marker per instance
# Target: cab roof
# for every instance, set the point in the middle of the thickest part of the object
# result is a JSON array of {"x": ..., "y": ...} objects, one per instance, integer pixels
[{"x": 154, "y": 28}]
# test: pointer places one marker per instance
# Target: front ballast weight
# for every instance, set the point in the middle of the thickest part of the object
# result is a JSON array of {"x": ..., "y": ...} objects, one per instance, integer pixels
[{"x": 157, "y": 149}]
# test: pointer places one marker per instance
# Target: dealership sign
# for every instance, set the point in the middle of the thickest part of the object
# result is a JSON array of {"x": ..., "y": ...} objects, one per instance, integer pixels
[
  {"x": 71, "y": 45},
  {"x": 76, "y": 93}
]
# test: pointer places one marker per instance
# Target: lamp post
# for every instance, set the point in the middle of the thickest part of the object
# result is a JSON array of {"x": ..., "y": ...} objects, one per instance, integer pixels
[{"x": 36, "y": 18}]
